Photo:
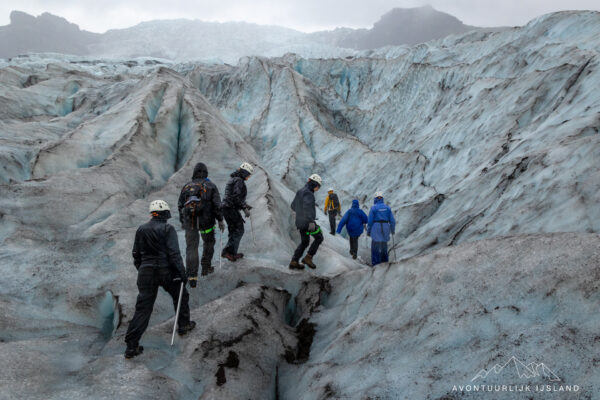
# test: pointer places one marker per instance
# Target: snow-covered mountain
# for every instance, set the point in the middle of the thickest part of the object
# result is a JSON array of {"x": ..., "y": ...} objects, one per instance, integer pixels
[
  {"x": 209, "y": 41},
  {"x": 220, "y": 42},
  {"x": 485, "y": 144}
]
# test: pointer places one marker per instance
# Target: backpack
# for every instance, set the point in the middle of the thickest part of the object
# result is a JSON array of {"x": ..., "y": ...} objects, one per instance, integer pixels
[
  {"x": 335, "y": 201},
  {"x": 193, "y": 207}
]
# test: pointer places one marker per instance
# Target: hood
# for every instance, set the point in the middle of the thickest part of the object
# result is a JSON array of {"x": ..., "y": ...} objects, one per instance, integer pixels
[
  {"x": 355, "y": 204},
  {"x": 378, "y": 200},
  {"x": 200, "y": 171}
]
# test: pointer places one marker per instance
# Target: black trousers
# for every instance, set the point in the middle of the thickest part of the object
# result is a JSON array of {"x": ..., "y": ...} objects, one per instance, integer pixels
[
  {"x": 332, "y": 215},
  {"x": 354, "y": 245},
  {"x": 192, "y": 242},
  {"x": 235, "y": 227},
  {"x": 148, "y": 280},
  {"x": 304, "y": 242}
]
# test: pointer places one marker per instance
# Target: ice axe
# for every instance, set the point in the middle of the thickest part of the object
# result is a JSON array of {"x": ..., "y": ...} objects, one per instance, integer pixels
[{"x": 177, "y": 313}]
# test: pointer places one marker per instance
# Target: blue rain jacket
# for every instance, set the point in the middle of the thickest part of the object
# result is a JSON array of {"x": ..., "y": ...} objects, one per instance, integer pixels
[
  {"x": 354, "y": 219},
  {"x": 381, "y": 222}
]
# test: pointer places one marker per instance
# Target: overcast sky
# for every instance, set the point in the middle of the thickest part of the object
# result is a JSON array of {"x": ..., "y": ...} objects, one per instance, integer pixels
[{"x": 304, "y": 15}]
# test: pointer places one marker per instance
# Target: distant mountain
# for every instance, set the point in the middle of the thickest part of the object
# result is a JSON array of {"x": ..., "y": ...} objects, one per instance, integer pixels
[
  {"x": 220, "y": 42},
  {"x": 46, "y": 33},
  {"x": 400, "y": 26},
  {"x": 198, "y": 40}
]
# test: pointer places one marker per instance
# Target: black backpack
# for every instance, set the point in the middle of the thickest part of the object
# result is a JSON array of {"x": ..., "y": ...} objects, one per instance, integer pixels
[
  {"x": 196, "y": 196},
  {"x": 335, "y": 201}
]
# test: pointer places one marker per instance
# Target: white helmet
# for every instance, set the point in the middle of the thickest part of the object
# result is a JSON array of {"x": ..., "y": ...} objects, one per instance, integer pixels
[
  {"x": 378, "y": 194},
  {"x": 330, "y": 189},
  {"x": 316, "y": 178},
  {"x": 159, "y": 205},
  {"x": 247, "y": 167}
]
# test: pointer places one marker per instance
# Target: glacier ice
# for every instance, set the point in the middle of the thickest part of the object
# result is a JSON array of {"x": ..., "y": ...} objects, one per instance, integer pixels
[{"x": 486, "y": 145}]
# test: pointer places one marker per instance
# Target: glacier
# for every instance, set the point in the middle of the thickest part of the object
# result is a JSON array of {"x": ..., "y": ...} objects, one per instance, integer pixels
[{"x": 485, "y": 145}]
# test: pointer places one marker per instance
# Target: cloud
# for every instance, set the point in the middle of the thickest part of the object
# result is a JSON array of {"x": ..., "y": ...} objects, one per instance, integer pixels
[{"x": 305, "y": 15}]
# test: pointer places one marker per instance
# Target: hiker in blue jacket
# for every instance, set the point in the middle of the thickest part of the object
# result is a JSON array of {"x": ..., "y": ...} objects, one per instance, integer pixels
[
  {"x": 354, "y": 219},
  {"x": 381, "y": 224}
]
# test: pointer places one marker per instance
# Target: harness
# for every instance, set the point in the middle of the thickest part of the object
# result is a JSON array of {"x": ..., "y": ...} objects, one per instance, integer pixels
[
  {"x": 315, "y": 232},
  {"x": 209, "y": 230}
]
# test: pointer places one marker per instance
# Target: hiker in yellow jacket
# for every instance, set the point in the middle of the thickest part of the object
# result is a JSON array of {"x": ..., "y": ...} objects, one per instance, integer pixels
[{"x": 332, "y": 208}]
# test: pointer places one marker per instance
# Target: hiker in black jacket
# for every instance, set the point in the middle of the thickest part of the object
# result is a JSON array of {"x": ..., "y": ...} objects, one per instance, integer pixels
[
  {"x": 304, "y": 207},
  {"x": 234, "y": 201},
  {"x": 199, "y": 206},
  {"x": 158, "y": 261}
]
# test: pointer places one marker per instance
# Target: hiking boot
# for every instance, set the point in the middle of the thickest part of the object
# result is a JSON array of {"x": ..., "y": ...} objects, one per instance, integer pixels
[
  {"x": 296, "y": 265},
  {"x": 207, "y": 270},
  {"x": 184, "y": 330},
  {"x": 239, "y": 255},
  {"x": 307, "y": 260},
  {"x": 354, "y": 256},
  {"x": 133, "y": 351},
  {"x": 229, "y": 256}
]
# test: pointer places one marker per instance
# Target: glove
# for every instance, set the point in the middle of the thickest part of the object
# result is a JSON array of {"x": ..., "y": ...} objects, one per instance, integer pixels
[
  {"x": 178, "y": 279},
  {"x": 193, "y": 281},
  {"x": 312, "y": 227},
  {"x": 247, "y": 212},
  {"x": 221, "y": 226}
]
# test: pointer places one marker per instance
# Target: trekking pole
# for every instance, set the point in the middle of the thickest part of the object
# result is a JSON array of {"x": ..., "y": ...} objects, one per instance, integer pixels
[
  {"x": 394, "y": 248},
  {"x": 177, "y": 313},
  {"x": 220, "y": 251},
  {"x": 252, "y": 230}
]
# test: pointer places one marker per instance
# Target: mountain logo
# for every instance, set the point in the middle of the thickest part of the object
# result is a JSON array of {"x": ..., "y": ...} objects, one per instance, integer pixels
[{"x": 523, "y": 370}]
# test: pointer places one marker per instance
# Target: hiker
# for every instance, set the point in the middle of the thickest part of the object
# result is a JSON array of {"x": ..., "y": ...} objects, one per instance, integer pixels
[
  {"x": 355, "y": 219},
  {"x": 332, "y": 208},
  {"x": 234, "y": 201},
  {"x": 304, "y": 206},
  {"x": 158, "y": 261},
  {"x": 199, "y": 206},
  {"x": 381, "y": 223}
]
